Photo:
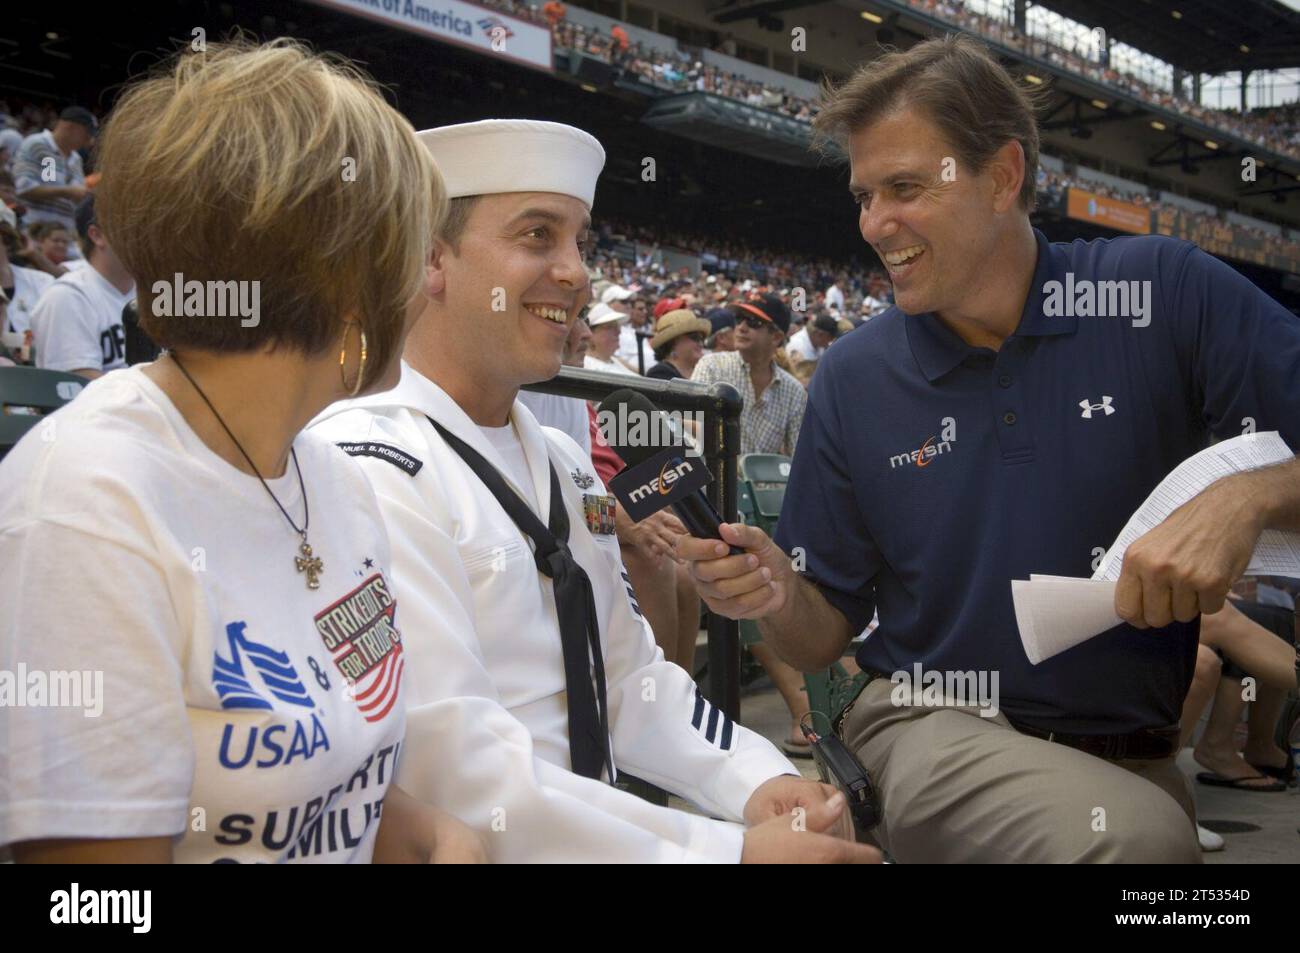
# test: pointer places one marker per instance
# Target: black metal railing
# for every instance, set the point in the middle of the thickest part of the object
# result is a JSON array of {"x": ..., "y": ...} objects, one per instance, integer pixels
[{"x": 720, "y": 404}]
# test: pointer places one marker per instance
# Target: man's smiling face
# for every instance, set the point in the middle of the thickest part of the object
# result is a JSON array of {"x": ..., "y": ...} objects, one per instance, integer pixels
[
  {"x": 930, "y": 230},
  {"x": 516, "y": 281}
]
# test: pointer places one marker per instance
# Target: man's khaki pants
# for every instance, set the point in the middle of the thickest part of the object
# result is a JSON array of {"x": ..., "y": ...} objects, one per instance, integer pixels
[{"x": 956, "y": 787}]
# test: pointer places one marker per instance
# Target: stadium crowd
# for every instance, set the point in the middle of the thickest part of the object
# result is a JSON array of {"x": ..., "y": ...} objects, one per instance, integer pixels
[
  {"x": 1052, "y": 188},
  {"x": 41, "y": 243},
  {"x": 681, "y": 71},
  {"x": 1278, "y": 128},
  {"x": 46, "y": 237}
]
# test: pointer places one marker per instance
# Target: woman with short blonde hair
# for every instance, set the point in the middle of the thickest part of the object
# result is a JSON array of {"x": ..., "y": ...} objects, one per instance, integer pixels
[{"x": 218, "y": 580}]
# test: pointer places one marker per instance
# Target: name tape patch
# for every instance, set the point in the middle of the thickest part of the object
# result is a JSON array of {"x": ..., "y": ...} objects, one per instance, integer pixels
[{"x": 382, "y": 451}]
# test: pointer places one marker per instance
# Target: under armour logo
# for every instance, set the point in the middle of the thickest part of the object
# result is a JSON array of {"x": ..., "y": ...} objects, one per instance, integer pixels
[{"x": 1105, "y": 407}]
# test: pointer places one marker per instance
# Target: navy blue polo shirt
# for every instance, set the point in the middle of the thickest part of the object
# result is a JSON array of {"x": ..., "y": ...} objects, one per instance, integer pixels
[{"x": 930, "y": 473}]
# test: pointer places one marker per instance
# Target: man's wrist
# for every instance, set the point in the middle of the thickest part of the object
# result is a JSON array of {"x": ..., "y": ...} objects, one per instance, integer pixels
[
  {"x": 783, "y": 576},
  {"x": 780, "y": 619},
  {"x": 1264, "y": 494}
]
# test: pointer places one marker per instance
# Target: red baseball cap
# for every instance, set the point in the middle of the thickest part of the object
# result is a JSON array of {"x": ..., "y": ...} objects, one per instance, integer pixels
[{"x": 668, "y": 304}]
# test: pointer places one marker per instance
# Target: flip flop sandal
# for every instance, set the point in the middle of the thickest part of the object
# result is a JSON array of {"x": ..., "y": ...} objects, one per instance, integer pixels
[
  {"x": 1241, "y": 784},
  {"x": 796, "y": 751},
  {"x": 1283, "y": 774}
]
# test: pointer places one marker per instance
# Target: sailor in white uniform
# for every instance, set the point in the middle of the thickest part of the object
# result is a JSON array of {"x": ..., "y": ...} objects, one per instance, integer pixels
[{"x": 533, "y": 680}]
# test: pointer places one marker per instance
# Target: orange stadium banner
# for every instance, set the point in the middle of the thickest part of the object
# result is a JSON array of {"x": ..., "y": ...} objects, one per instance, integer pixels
[{"x": 1109, "y": 213}]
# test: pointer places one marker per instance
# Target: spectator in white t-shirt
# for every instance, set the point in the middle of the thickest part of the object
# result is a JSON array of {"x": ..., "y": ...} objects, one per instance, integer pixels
[
  {"x": 22, "y": 286},
  {"x": 223, "y": 579},
  {"x": 835, "y": 295},
  {"x": 77, "y": 323},
  {"x": 601, "y": 353},
  {"x": 810, "y": 342},
  {"x": 632, "y": 304}
]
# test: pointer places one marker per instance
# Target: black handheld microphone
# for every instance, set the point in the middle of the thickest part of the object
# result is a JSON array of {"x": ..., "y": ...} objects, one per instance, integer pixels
[{"x": 663, "y": 468}]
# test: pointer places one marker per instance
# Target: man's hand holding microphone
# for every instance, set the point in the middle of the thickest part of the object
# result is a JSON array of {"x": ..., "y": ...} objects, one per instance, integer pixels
[
  {"x": 754, "y": 584},
  {"x": 741, "y": 574},
  {"x": 760, "y": 583}
]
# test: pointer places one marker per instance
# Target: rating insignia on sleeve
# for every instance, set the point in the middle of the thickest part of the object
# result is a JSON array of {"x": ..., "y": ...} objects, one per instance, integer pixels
[
  {"x": 710, "y": 721},
  {"x": 631, "y": 596}
]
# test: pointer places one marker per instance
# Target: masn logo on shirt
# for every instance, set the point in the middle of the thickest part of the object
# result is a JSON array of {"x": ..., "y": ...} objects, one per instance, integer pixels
[{"x": 933, "y": 446}]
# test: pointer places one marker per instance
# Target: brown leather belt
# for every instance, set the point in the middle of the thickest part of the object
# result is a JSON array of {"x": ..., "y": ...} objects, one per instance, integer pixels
[{"x": 1143, "y": 743}]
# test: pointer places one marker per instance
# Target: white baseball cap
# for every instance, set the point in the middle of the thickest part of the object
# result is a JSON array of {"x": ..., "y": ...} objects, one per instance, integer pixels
[
  {"x": 615, "y": 293},
  {"x": 604, "y": 314}
]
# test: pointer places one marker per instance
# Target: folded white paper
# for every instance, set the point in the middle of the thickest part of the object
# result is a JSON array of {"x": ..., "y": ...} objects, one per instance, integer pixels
[
  {"x": 1055, "y": 613},
  {"x": 1276, "y": 554}
]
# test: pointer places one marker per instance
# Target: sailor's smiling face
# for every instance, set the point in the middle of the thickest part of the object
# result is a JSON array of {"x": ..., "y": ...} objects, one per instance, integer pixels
[{"x": 517, "y": 280}]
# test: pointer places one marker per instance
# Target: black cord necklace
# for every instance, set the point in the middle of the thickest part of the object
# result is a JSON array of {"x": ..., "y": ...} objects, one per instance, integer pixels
[{"x": 305, "y": 562}]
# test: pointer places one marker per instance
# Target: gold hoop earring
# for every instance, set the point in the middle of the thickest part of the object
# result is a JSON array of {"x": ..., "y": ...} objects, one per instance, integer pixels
[{"x": 355, "y": 388}]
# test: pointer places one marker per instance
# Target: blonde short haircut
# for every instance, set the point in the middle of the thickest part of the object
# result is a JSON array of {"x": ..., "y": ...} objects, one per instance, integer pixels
[{"x": 270, "y": 163}]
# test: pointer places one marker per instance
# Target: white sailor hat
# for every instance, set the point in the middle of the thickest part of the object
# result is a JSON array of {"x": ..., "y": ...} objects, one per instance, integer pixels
[{"x": 515, "y": 155}]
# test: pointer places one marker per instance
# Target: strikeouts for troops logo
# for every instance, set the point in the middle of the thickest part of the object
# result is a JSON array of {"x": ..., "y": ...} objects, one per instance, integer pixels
[{"x": 360, "y": 636}]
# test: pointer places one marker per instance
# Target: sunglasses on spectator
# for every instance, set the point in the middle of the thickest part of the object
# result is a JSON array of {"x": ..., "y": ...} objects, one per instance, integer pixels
[{"x": 755, "y": 323}]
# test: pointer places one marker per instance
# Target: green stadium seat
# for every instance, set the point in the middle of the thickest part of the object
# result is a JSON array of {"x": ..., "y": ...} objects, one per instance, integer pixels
[
  {"x": 760, "y": 492},
  {"x": 27, "y": 394}
]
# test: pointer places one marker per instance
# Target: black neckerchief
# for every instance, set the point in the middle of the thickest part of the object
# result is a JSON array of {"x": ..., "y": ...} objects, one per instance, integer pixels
[{"x": 575, "y": 605}]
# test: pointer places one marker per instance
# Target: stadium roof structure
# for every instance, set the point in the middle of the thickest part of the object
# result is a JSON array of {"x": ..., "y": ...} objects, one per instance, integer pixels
[
  {"x": 1198, "y": 36},
  {"x": 715, "y": 120}
]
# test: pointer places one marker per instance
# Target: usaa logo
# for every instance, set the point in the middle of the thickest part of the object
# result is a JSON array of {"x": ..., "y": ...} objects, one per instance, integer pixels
[{"x": 234, "y": 678}]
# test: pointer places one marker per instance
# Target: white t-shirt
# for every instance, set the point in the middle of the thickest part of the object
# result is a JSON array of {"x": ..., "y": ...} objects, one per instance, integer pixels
[
  {"x": 568, "y": 414},
  {"x": 133, "y": 552},
  {"x": 29, "y": 284},
  {"x": 77, "y": 323},
  {"x": 874, "y": 305},
  {"x": 627, "y": 347},
  {"x": 835, "y": 298},
  {"x": 592, "y": 363},
  {"x": 800, "y": 346},
  {"x": 506, "y": 442}
]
